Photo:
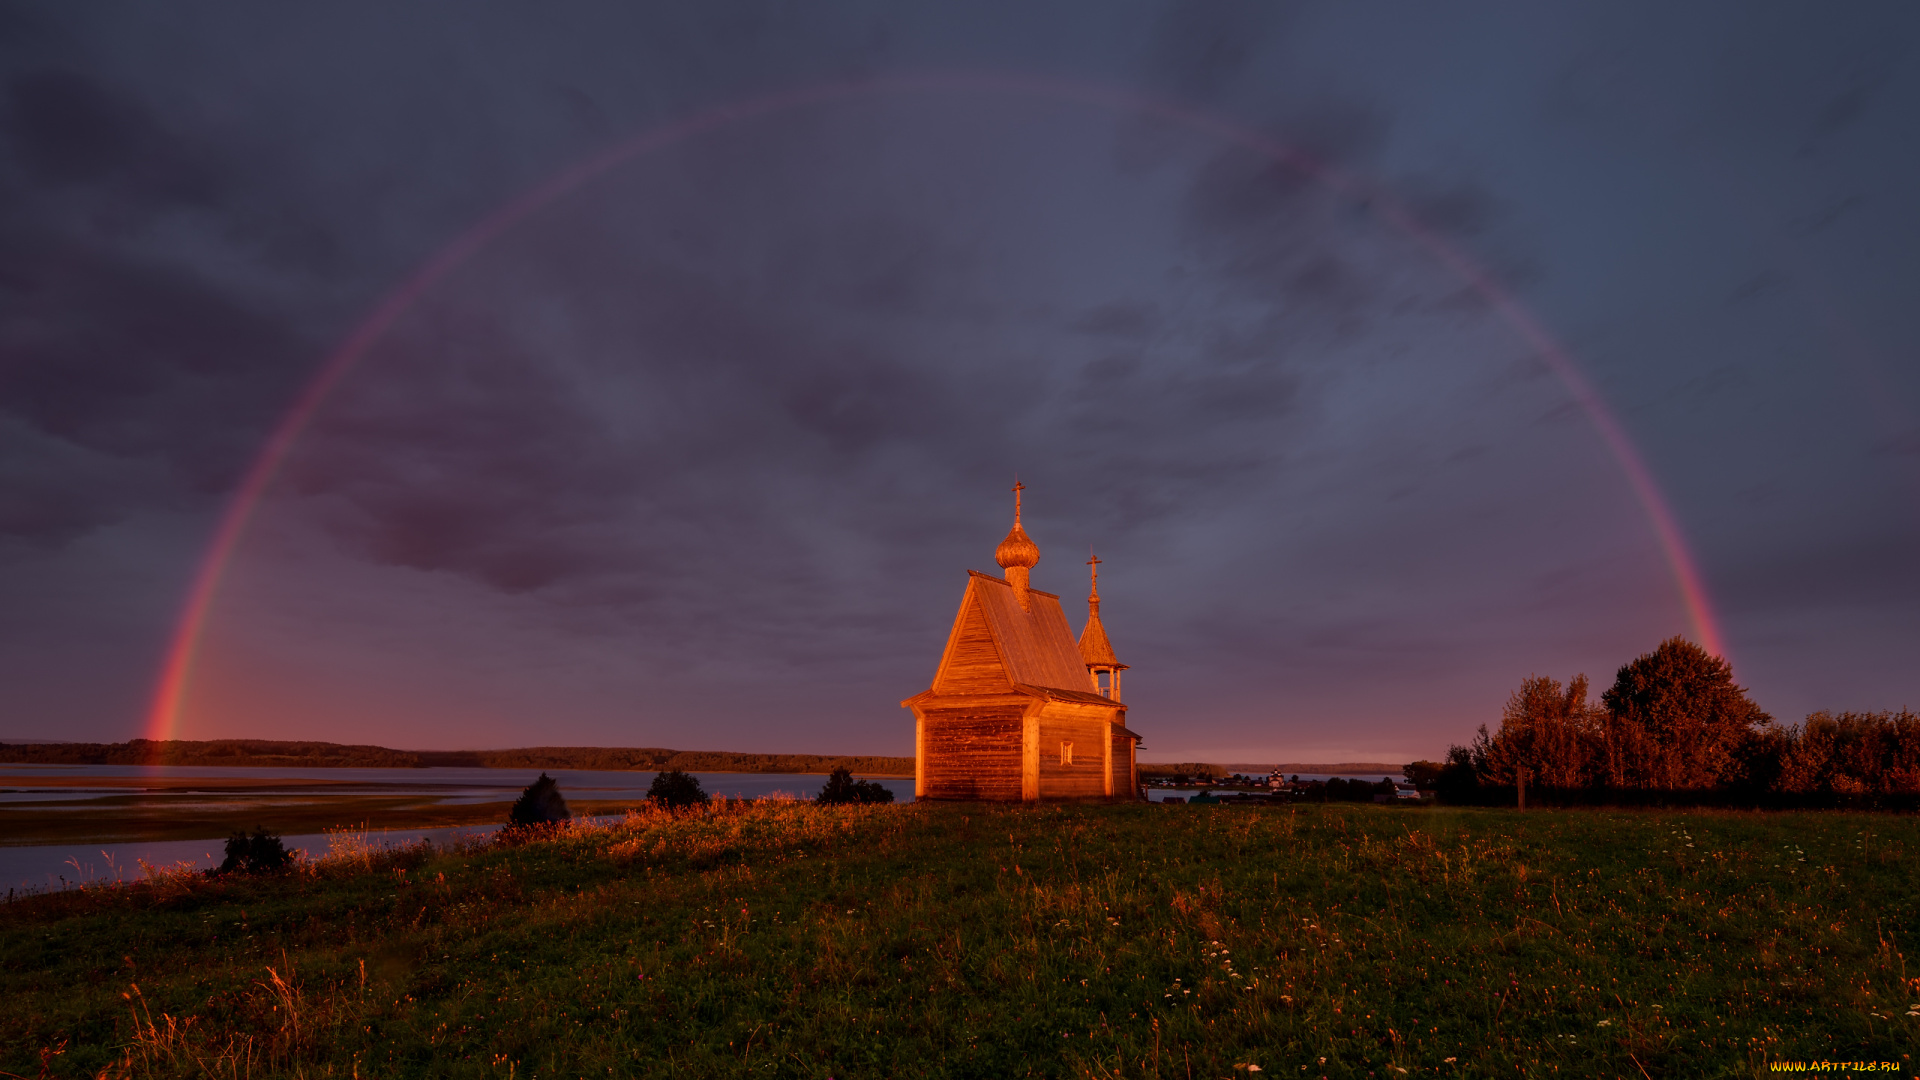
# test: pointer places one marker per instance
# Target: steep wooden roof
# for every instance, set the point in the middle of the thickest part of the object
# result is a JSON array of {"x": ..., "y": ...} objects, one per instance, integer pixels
[
  {"x": 996, "y": 647},
  {"x": 1095, "y": 649}
]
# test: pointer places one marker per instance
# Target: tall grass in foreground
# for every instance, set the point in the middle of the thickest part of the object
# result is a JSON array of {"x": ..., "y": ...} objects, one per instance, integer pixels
[{"x": 785, "y": 939}]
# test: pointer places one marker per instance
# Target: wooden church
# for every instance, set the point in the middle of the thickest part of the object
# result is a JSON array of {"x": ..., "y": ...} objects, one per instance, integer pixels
[{"x": 1018, "y": 711}]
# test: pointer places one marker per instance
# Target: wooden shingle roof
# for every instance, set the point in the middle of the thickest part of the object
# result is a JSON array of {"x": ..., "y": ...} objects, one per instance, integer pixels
[
  {"x": 996, "y": 647},
  {"x": 1036, "y": 645},
  {"x": 1095, "y": 649}
]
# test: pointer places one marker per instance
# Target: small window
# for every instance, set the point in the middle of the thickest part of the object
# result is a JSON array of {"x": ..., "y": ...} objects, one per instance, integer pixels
[{"x": 1066, "y": 753}]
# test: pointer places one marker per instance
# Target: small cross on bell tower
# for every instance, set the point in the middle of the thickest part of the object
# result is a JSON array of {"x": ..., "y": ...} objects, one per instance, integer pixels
[{"x": 1095, "y": 649}]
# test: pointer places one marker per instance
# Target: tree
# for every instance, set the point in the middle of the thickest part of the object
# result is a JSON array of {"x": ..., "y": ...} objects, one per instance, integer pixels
[
  {"x": 1424, "y": 775},
  {"x": 540, "y": 804},
  {"x": 1675, "y": 719},
  {"x": 674, "y": 789},
  {"x": 841, "y": 787},
  {"x": 1459, "y": 778},
  {"x": 1546, "y": 731},
  {"x": 261, "y": 853},
  {"x": 1848, "y": 753}
]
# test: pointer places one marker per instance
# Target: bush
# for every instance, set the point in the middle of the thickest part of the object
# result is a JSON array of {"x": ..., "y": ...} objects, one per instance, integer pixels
[
  {"x": 1356, "y": 790},
  {"x": 540, "y": 804},
  {"x": 841, "y": 787},
  {"x": 674, "y": 789},
  {"x": 1459, "y": 779},
  {"x": 261, "y": 853},
  {"x": 1424, "y": 775}
]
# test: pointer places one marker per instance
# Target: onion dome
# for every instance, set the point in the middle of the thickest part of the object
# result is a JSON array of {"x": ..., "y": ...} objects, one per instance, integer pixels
[{"x": 1017, "y": 549}]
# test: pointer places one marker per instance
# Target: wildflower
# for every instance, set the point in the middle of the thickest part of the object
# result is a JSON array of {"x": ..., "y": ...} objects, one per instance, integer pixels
[
  {"x": 1450, "y": 1060},
  {"x": 1604, "y": 1023}
]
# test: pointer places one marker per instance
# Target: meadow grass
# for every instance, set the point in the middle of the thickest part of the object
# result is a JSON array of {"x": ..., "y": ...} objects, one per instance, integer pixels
[{"x": 781, "y": 939}]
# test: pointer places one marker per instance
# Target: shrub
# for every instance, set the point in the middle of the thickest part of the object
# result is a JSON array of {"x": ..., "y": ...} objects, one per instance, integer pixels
[
  {"x": 261, "y": 853},
  {"x": 540, "y": 804},
  {"x": 1424, "y": 775},
  {"x": 1459, "y": 779},
  {"x": 841, "y": 787},
  {"x": 674, "y": 789}
]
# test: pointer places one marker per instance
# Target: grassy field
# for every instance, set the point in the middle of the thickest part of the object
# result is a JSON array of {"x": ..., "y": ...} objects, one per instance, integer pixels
[{"x": 783, "y": 940}]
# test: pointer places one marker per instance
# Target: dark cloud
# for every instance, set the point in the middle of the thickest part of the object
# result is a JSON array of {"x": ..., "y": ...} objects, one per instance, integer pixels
[
  {"x": 1828, "y": 215},
  {"x": 1120, "y": 319},
  {"x": 1458, "y": 207},
  {"x": 69, "y": 130},
  {"x": 1905, "y": 444},
  {"x": 142, "y": 364},
  {"x": 712, "y": 438},
  {"x": 1842, "y": 110},
  {"x": 1201, "y": 48},
  {"x": 1760, "y": 284}
]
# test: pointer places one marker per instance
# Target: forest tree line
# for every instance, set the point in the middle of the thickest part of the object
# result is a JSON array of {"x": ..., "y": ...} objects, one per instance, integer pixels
[{"x": 1675, "y": 722}]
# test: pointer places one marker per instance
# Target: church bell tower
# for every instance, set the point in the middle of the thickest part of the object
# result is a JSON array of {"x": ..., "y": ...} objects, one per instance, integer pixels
[{"x": 1095, "y": 649}]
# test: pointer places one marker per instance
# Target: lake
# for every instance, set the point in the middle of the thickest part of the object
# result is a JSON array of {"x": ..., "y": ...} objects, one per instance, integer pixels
[{"x": 186, "y": 794}]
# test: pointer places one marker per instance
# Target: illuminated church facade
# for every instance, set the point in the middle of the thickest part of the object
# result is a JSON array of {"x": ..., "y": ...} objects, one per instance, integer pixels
[{"x": 1018, "y": 711}]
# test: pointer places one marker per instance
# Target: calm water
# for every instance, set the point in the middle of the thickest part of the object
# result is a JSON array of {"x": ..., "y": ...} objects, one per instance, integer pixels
[
  {"x": 55, "y": 786},
  {"x": 56, "y": 865},
  {"x": 446, "y": 785}
]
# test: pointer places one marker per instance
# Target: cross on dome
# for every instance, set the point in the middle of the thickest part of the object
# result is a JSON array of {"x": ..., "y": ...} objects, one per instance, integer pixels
[{"x": 1017, "y": 549}]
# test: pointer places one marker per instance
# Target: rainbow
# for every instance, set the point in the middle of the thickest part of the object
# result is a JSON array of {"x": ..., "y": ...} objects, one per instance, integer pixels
[{"x": 163, "y": 718}]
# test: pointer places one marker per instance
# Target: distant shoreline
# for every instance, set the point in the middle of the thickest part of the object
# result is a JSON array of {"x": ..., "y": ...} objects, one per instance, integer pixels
[
  {"x": 1338, "y": 768},
  {"x": 306, "y": 754},
  {"x": 272, "y": 754}
]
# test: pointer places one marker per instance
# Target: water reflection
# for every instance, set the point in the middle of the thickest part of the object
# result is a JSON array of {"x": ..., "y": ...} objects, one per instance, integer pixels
[{"x": 191, "y": 790}]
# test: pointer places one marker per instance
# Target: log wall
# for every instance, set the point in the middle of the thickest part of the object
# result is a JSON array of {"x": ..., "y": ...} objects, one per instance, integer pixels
[
  {"x": 971, "y": 753},
  {"x": 1126, "y": 782},
  {"x": 1087, "y": 730}
]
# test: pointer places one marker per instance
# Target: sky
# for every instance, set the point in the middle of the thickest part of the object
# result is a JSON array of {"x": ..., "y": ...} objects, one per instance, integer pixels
[{"x": 651, "y": 375}]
